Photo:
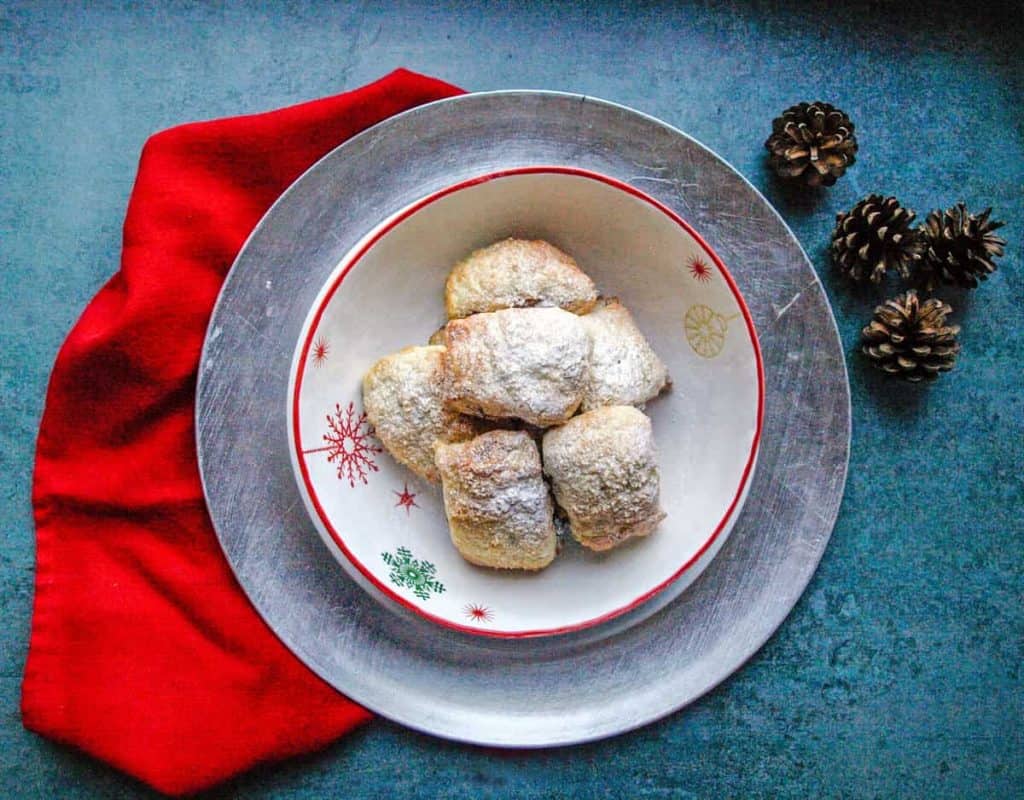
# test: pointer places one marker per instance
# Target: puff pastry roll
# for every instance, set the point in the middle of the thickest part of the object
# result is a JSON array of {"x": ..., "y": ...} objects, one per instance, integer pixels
[
  {"x": 402, "y": 397},
  {"x": 605, "y": 476},
  {"x": 497, "y": 503},
  {"x": 524, "y": 363},
  {"x": 515, "y": 273},
  {"x": 624, "y": 369}
]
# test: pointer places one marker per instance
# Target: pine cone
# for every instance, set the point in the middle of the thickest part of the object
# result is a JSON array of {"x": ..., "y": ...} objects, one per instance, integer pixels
[
  {"x": 910, "y": 339},
  {"x": 959, "y": 247},
  {"x": 876, "y": 236},
  {"x": 813, "y": 142}
]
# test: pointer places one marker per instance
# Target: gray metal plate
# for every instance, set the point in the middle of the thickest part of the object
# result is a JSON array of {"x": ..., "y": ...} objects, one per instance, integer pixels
[{"x": 534, "y": 692}]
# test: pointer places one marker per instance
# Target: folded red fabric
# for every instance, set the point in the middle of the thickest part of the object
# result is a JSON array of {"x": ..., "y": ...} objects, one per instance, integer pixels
[{"x": 144, "y": 651}]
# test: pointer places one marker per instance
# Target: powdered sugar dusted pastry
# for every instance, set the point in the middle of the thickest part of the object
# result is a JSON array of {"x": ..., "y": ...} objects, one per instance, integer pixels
[
  {"x": 624, "y": 369},
  {"x": 604, "y": 475},
  {"x": 402, "y": 398},
  {"x": 526, "y": 363},
  {"x": 515, "y": 273},
  {"x": 498, "y": 507}
]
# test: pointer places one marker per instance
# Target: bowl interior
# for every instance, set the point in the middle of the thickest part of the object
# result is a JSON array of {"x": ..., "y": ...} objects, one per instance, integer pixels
[{"x": 387, "y": 526}]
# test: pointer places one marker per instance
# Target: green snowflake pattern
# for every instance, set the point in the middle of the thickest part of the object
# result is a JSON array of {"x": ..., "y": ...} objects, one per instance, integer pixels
[{"x": 420, "y": 576}]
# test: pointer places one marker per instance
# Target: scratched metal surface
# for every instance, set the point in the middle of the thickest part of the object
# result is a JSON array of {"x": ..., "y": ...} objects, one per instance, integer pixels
[{"x": 518, "y": 693}]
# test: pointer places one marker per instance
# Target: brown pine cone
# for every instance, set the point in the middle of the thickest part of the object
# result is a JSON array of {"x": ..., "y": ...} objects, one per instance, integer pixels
[
  {"x": 875, "y": 236},
  {"x": 909, "y": 338},
  {"x": 960, "y": 247},
  {"x": 812, "y": 142}
]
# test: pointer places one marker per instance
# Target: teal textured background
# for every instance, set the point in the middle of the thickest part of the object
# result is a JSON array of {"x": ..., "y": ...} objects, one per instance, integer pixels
[{"x": 899, "y": 672}]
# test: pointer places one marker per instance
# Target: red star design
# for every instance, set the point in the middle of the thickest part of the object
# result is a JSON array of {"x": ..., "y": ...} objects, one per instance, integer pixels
[
  {"x": 478, "y": 613},
  {"x": 406, "y": 498},
  {"x": 699, "y": 269},
  {"x": 320, "y": 350}
]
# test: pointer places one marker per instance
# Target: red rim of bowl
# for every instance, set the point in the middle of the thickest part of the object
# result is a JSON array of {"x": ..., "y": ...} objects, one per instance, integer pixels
[{"x": 325, "y": 300}]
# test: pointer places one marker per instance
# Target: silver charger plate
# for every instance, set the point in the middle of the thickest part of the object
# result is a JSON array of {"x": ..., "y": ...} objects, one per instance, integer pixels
[{"x": 532, "y": 692}]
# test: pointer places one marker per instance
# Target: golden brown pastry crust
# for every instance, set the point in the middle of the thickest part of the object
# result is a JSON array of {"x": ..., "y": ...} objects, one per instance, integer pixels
[
  {"x": 438, "y": 337},
  {"x": 524, "y": 363},
  {"x": 516, "y": 273},
  {"x": 604, "y": 474},
  {"x": 624, "y": 369},
  {"x": 402, "y": 397},
  {"x": 498, "y": 507}
]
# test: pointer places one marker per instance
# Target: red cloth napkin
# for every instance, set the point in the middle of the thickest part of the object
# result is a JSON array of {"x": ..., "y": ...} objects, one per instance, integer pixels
[{"x": 144, "y": 651}]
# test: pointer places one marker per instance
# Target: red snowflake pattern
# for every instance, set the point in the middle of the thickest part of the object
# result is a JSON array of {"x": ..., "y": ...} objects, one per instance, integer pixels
[
  {"x": 350, "y": 444},
  {"x": 700, "y": 269},
  {"x": 320, "y": 350},
  {"x": 478, "y": 613},
  {"x": 406, "y": 498}
]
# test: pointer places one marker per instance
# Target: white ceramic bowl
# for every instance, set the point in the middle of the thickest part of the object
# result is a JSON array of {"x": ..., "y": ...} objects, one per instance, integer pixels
[{"x": 387, "y": 527}]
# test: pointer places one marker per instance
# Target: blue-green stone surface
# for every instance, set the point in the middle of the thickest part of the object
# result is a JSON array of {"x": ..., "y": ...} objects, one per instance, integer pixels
[{"x": 899, "y": 672}]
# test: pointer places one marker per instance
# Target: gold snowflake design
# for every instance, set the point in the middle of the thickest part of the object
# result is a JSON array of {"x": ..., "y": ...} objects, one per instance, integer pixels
[{"x": 706, "y": 329}]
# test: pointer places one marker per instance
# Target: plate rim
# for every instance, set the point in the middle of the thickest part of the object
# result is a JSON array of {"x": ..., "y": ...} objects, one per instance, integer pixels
[{"x": 330, "y": 288}]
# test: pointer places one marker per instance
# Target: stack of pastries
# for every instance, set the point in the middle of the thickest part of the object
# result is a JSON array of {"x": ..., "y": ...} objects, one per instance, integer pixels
[{"x": 530, "y": 390}]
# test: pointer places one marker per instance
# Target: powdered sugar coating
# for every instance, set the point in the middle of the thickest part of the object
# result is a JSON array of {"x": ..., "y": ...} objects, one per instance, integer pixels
[
  {"x": 497, "y": 503},
  {"x": 624, "y": 369},
  {"x": 402, "y": 397},
  {"x": 516, "y": 273},
  {"x": 524, "y": 363},
  {"x": 604, "y": 474}
]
